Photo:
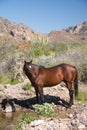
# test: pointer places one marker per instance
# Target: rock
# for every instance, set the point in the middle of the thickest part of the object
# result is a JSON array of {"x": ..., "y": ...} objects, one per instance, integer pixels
[
  {"x": 9, "y": 109},
  {"x": 36, "y": 123},
  {"x": 72, "y": 116},
  {"x": 81, "y": 127}
]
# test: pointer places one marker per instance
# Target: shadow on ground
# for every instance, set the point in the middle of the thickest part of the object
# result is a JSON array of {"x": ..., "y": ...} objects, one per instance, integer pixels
[{"x": 28, "y": 103}]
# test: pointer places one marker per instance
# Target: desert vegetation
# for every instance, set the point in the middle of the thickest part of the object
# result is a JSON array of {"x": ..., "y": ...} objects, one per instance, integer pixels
[
  {"x": 24, "y": 119},
  {"x": 43, "y": 53}
]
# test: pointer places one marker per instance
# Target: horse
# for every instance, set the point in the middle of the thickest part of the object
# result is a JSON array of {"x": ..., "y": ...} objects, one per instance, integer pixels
[{"x": 41, "y": 76}]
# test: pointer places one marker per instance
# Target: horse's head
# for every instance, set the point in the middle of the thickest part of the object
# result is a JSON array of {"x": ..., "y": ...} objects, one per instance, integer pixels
[
  {"x": 27, "y": 66},
  {"x": 30, "y": 69}
]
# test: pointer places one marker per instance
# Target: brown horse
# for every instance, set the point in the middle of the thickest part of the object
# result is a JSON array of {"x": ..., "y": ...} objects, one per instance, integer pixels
[{"x": 40, "y": 77}]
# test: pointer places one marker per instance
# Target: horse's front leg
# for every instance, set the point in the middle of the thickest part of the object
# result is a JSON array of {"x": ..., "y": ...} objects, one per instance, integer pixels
[
  {"x": 37, "y": 94},
  {"x": 40, "y": 90}
]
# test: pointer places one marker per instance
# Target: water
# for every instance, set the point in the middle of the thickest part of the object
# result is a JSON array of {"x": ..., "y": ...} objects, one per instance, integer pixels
[{"x": 8, "y": 121}]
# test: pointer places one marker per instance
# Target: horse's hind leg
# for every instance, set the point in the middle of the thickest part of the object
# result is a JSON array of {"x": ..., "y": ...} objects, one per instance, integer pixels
[
  {"x": 71, "y": 98},
  {"x": 69, "y": 86}
]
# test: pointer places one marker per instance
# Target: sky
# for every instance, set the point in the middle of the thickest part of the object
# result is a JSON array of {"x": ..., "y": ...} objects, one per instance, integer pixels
[{"x": 45, "y": 15}]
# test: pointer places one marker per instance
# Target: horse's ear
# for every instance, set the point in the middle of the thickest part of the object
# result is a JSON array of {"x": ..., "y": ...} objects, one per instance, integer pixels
[
  {"x": 30, "y": 62},
  {"x": 25, "y": 61}
]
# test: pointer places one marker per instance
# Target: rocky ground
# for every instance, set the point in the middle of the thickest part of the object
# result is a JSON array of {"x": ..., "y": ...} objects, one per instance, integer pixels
[{"x": 74, "y": 118}]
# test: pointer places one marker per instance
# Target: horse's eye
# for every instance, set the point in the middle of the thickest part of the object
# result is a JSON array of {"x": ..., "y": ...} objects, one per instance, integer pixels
[{"x": 29, "y": 66}]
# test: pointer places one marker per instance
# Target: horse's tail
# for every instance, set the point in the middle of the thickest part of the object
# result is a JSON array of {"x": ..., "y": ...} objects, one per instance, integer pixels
[{"x": 76, "y": 85}]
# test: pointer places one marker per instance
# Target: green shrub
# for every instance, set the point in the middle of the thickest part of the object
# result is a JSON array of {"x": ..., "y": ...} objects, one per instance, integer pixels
[
  {"x": 46, "y": 109},
  {"x": 27, "y": 86},
  {"x": 14, "y": 81},
  {"x": 39, "y": 48},
  {"x": 61, "y": 48},
  {"x": 83, "y": 72},
  {"x": 82, "y": 96},
  {"x": 24, "y": 119},
  {"x": 5, "y": 79}
]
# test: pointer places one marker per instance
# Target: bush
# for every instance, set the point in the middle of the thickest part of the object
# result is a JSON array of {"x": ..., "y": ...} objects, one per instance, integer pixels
[
  {"x": 82, "y": 96},
  {"x": 83, "y": 72},
  {"x": 27, "y": 86},
  {"x": 46, "y": 109},
  {"x": 37, "y": 49},
  {"x": 24, "y": 119},
  {"x": 60, "y": 48},
  {"x": 5, "y": 79}
]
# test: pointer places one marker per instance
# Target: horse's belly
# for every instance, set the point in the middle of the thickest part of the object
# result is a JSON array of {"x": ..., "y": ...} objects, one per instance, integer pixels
[
  {"x": 52, "y": 83},
  {"x": 54, "y": 79}
]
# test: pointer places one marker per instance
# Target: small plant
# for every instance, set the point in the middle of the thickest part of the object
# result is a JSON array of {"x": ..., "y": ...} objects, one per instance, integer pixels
[
  {"x": 4, "y": 79},
  {"x": 83, "y": 72},
  {"x": 46, "y": 109},
  {"x": 82, "y": 96},
  {"x": 27, "y": 86},
  {"x": 24, "y": 119},
  {"x": 7, "y": 80},
  {"x": 1, "y": 89},
  {"x": 14, "y": 81}
]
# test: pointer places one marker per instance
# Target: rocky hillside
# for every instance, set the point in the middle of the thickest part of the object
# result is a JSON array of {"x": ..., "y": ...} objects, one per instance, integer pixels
[
  {"x": 21, "y": 32},
  {"x": 79, "y": 29},
  {"x": 63, "y": 37},
  {"x": 71, "y": 34}
]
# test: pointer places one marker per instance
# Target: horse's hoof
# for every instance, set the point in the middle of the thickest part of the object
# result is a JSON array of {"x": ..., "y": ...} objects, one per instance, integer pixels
[{"x": 70, "y": 105}]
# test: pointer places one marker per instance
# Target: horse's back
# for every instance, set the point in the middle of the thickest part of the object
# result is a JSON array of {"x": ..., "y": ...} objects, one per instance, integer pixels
[
  {"x": 67, "y": 67},
  {"x": 60, "y": 69}
]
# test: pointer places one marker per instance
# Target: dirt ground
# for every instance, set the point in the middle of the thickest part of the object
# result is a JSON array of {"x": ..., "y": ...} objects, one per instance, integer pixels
[{"x": 70, "y": 119}]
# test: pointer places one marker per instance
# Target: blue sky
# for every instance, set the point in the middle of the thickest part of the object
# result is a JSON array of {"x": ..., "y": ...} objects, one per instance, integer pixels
[{"x": 45, "y": 15}]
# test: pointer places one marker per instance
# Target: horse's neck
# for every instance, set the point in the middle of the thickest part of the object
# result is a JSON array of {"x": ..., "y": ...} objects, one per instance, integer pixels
[
  {"x": 37, "y": 70},
  {"x": 34, "y": 73}
]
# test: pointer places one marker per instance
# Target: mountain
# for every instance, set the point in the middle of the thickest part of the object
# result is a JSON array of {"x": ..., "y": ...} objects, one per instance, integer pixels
[
  {"x": 72, "y": 34},
  {"x": 62, "y": 37},
  {"x": 21, "y": 32},
  {"x": 79, "y": 28}
]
